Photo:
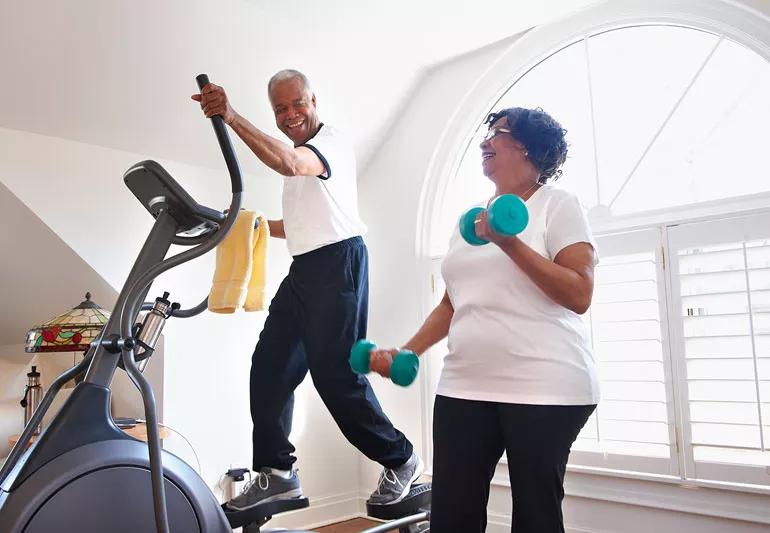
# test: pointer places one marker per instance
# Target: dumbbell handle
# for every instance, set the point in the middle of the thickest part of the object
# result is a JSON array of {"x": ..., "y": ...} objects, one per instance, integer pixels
[
  {"x": 403, "y": 369},
  {"x": 507, "y": 216}
]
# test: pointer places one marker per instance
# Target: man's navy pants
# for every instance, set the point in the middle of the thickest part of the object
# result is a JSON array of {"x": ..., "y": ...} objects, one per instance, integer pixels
[{"x": 319, "y": 311}]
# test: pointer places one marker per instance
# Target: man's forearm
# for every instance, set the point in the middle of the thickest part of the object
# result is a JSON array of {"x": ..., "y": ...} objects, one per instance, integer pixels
[
  {"x": 276, "y": 229},
  {"x": 274, "y": 153}
]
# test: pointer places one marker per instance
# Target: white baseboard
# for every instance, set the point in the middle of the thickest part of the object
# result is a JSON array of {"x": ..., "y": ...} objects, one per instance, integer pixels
[
  {"x": 500, "y": 523},
  {"x": 498, "y": 527},
  {"x": 502, "y": 527}
]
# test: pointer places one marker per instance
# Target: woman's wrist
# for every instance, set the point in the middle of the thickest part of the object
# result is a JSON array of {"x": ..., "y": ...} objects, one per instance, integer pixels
[
  {"x": 408, "y": 348},
  {"x": 509, "y": 244}
]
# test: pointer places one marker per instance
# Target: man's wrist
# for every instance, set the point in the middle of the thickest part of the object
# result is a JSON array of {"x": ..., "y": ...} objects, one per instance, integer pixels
[{"x": 234, "y": 120}]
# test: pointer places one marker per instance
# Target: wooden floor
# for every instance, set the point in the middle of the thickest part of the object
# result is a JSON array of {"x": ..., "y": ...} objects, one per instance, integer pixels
[{"x": 350, "y": 526}]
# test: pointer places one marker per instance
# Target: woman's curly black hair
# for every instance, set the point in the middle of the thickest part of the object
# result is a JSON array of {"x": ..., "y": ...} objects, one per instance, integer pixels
[{"x": 540, "y": 134}]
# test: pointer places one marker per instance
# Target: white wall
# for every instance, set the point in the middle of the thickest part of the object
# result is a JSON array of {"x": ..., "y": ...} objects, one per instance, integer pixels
[
  {"x": 70, "y": 185},
  {"x": 14, "y": 364},
  {"x": 207, "y": 358},
  {"x": 390, "y": 194},
  {"x": 402, "y": 177},
  {"x": 40, "y": 277}
]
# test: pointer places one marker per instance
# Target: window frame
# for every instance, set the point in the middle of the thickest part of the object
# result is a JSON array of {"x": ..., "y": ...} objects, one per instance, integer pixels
[
  {"x": 730, "y": 228},
  {"x": 649, "y": 239},
  {"x": 681, "y": 462},
  {"x": 740, "y": 23}
]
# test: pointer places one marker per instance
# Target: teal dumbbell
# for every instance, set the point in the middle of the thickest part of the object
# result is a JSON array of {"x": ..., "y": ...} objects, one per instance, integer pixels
[
  {"x": 403, "y": 371},
  {"x": 507, "y": 215}
]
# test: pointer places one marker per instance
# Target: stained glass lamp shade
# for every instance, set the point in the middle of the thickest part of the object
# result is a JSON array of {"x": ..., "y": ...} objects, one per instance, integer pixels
[{"x": 71, "y": 332}]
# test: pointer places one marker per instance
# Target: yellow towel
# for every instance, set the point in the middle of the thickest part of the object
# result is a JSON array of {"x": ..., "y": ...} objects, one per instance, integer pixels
[
  {"x": 255, "y": 296},
  {"x": 240, "y": 268}
]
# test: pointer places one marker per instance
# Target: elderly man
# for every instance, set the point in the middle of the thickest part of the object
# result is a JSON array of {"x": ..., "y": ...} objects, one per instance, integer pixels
[{"x": 320, "y": 308}]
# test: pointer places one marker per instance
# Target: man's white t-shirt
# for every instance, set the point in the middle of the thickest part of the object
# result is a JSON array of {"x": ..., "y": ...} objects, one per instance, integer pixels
[
  {"x": 508, "y": 341},
  {"x": 321, "y": 210}
]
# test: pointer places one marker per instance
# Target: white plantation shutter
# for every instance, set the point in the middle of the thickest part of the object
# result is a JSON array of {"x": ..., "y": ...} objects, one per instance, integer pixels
[
  {"x": 680, "y": 328},
  {"x": 681, "y": 316},
  {"x": 631, "y": 428},
  {"x": 720, "y": 281}
]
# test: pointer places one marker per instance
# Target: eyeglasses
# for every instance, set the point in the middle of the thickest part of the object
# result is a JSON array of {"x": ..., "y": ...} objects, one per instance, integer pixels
[{"x": 494, "y": 132}]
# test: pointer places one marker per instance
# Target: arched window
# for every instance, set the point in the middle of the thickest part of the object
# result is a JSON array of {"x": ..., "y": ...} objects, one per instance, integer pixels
[
  {"x": 666, "y": 125},
  {"x": 657, "y": 117}
]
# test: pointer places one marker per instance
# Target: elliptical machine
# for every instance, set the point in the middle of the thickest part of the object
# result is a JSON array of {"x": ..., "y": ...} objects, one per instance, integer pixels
[{"x": 83, "y": 474}]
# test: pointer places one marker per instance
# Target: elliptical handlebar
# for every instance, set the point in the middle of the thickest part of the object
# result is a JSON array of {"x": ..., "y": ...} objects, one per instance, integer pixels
[
  {"x": 224, "y": 142},
  {"x": 132, "y": 304},
  {"x": 221, "y": 222},
  {"x": 101, "y": 362}
]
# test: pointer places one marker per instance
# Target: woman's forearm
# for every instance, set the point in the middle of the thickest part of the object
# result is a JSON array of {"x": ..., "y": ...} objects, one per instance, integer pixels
[
  {"x": 569, "y": 287},
  {"x": 435, "y": 328}
]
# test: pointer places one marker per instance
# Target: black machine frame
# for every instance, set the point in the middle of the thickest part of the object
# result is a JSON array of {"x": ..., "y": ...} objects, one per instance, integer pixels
[{"x": 83, "y": 472}]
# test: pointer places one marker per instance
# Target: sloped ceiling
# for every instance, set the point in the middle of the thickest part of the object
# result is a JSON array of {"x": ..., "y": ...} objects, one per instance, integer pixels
[
  {"x": 40, "y": 276},
  {"x": 120, "y": 74}
]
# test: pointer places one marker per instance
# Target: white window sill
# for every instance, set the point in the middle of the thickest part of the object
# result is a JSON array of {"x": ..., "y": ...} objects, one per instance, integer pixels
[
  {"x": 672, "y": 480},
  {"x": 701, "y": 497}
]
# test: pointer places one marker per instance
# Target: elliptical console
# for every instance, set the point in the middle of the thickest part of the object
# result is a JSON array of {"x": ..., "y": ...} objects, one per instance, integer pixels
[{"x": 83, "y": 474}]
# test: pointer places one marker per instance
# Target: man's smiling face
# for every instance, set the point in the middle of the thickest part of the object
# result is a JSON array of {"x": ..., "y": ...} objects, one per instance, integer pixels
[{"x": 294, "y": 107}]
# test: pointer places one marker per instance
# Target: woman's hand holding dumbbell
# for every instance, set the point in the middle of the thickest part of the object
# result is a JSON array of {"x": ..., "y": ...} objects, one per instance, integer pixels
[
  {"x": 381, "y": 360},
  {"x": 484, "y": 231},
  {"x": 505, "y": 216},
  {"x": 401, "y": 366}
]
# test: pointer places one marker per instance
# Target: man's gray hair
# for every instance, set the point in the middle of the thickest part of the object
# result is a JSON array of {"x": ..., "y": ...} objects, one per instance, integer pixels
[{"x": 289, "y": 74}]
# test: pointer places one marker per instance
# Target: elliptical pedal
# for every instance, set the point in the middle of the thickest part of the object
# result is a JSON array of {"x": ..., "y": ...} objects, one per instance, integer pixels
[
  {"x": 410, "y": 515},
  {"x": 416, "y": 501},
  {"x": 255, "y": 517}
]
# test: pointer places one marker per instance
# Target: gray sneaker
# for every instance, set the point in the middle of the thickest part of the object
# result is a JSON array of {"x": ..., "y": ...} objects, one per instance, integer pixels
[
  {"x": 394, "y": 483},
  {"x": 266, "y": 487}
]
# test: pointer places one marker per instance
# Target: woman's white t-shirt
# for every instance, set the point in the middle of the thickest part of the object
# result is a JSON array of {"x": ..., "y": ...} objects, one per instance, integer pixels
[{"x": 508, "y": 341}]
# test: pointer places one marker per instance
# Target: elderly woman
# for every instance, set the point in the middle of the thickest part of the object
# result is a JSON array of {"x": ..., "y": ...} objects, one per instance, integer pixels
[{"x": 519, "y": 376}]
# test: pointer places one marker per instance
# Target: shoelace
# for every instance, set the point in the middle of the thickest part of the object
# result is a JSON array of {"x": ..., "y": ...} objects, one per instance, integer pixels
[
  {"x": 386, "y": 477},
  {"x": 259, "y": 480}
]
